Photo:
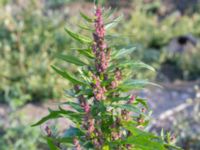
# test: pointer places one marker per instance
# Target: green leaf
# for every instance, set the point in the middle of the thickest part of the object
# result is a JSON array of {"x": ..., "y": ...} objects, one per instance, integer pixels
[
  {"x": 117, "y": 99},
  {"x": 135, "y": 84},
  {"x": 135, "y": 65},
  {"x": 51, "y": 144},
  {"x": 128, "y": 107},
  {"x": 109, "y": 12},
  {"x": 70, "y": 93},
  {"x": 172, "y": 147},
  {"x": 68, "y": 76},
  {"x": 142, "y": 139},
  {"x": 54, "y": 114},
  {"x": 71, "y": 59},
  {"x": 73, "y": 132},
  {"x": 142, "y": 101},
  {"x": 106, "y": 147},
  {"x": 131, "y": 127},
  {"x": 65, "y": 140},
  {"x": 75, "y": 106},
  {"x": 73, "y": 116},
  {"x": 78, "y": 37},
  {"x": 121, "y": 53},
  {"x": 85, "y": 27},
  {"x": 87, "y": 18},
  {"x": 96, "y": 2},
  {"x": 84, "y": 75},
  {"x": 58, "y": 140},
  {"x": 114, "y": 22},
  {"x": 86, "y": 52},
  {"x": 143, "y": 142}
]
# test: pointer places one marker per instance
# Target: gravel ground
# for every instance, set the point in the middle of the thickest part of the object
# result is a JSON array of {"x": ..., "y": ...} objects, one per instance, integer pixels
[{"x": 168, "y": 97}]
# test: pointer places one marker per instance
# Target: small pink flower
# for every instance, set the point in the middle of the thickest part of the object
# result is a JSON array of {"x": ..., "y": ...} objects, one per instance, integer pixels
[
  {"x": 99, "y": 48},
  {"x": 100, "y": 31},
  {"x": 97, "y": 144},
  {"x": 86, "y": 107},
  {"x": 118, "y": 74},
  {"x": 94, "y": 48},
  {"x": 98, "y": 90},
  {"x": 91, "y": 126},
  {"x": 76, "y": 144},
  {"x": 114, "y": 84},
  {"x": 131, "y": 100},
  {"x": 48, "y": 131}
]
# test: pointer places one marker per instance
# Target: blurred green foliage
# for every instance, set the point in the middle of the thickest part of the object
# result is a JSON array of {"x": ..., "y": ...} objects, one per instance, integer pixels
[
  {"x": 18, "y": 135},
  {"x": 22, "y": 138},
  {"x": 28, "y": 40},
  {"x": 154, "y": 34}
]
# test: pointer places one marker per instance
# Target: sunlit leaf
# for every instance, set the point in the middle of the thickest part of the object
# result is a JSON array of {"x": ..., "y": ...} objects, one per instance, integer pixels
[
  {"x": 172, "y": 147},
  {"x": 70, "y": 93},
  {"x": 65, "y": 140},
  {"x": 121, "y": 53},
  {"x": 140, "y": 137},
  {"x": 136, "y": 84},
  {"x": 142, "y": 101},
  {"x": 85, "y": 27},
  {"x": 50, "y": 143},
  {"x": 87, "y": 18},
  {"x": 136, "y": 65},
  {"x": 114, "y": 22},
  {"x": 127, "y": 107},
  {"x": 86, "y": 53},
  {"x": 105, "y": 147},
  {"x": 71, "y": 59},
  {"x": 78, "y": 37},
  {"x": 72, "y": 132},
  {"x": 117, "y": 99},
  {"x": 54, "y": 114},
  {"x": 67, "y": 76},
  {"x": 73, "y": 105},
  {"x": 162, "y": 134}
]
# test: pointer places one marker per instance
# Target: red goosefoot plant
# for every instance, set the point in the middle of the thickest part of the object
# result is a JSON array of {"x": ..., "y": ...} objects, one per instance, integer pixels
[{"x": 104, "y": 113}]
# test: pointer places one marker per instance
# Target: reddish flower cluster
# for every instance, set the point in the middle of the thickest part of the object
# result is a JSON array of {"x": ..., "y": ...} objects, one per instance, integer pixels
[
  {"x": 115, "y": 132},
  {"x": 100, "y": 49},
  {"x": 76, "y": 144},
  {"x": 99, "y": 25},
  {"x": 116, "y": 135},
  {"x": 117, "y": 78},
  {"x": 48, "y": 131},
  {"x": 98, "y": 90},
  {"x": 84, "y": 104},
  {"x": 91, "y": 125},
  {"x": 98, "y": 142},
  {"x": 88, "y": 122},
  {"x": 126, "y": 114},
  {"x": 86, "y": 108}
]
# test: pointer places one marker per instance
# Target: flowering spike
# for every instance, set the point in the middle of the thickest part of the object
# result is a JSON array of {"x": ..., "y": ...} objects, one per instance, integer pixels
[
  {"x": 99, "y": 25},
  {"x": 100, "y": 117},
  {"x": 98, "y": 90},
  {"x": 99, "y": 46}
]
